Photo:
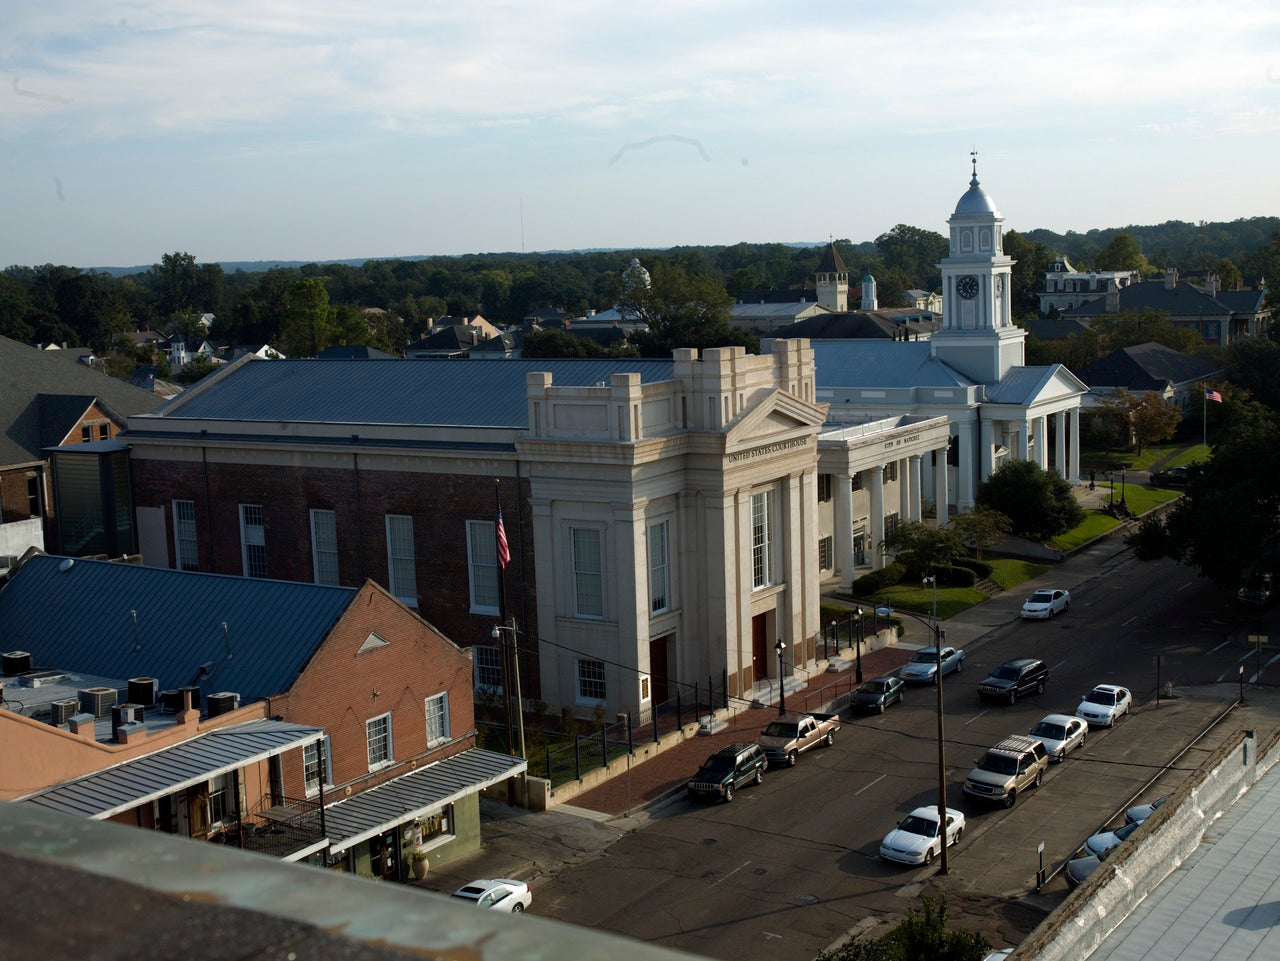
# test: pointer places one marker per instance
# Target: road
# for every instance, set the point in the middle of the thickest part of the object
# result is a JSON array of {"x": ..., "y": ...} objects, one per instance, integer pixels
[{"x": 792, "y": 864}]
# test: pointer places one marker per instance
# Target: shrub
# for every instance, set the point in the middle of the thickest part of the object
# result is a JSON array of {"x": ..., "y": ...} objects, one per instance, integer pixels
[
  {"x": 1039, "y": 503},
  {"x": 892, "y": 573},
  {"x": 867, "y": 584},
  {"x": 957, "y": 576},
  {"x": 981, "y": 569},
  {"x": 1149, "y": 540}
]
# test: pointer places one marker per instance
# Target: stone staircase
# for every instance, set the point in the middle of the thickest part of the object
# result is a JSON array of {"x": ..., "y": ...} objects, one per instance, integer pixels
[{"x": 988, "y": 587}]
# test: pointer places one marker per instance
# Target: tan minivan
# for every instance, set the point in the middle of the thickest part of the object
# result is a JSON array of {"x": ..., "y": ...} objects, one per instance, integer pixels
[{"x": 1015, "y": 764}]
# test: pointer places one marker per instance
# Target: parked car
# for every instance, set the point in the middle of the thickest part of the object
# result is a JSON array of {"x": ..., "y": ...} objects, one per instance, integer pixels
[
  {"x": 1140, "y": 812},
  {"x": 1060, "y": 734},
  {"x": 1022, "y": 675},
  {"x": 1173, "y": 477},
  {"x": 1257, "y": 590},
  {"x": 916, "y": 840},
  {"x": 785, "y": 739},
  {"x": 1015, "y": 764},
  {"x": 498, "y": 894},
  {"x": 923, "y": 667},
  {"x": 1078, "y": 869},
  {"x": 1105, "y": 840},
  {"x": 1104, "y": 705},
  {"x": 1043, "y": 605},
  {"x": 873, "y": 696},
  {"x": 728, "y": 769}
]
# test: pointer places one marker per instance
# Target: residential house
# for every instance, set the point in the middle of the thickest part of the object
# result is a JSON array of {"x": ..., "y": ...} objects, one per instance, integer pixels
[
  {"x": 1065, "y": 287},
  {"x": 377, "y": 702},
  {"x": 1177, "y": 378}
]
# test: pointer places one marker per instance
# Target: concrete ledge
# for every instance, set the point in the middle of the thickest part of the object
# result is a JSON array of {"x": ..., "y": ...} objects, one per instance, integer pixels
[{"x": 1095, "y": 909}]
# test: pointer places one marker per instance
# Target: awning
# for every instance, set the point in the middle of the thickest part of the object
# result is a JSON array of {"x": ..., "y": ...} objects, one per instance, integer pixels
[
  {"x": 415, "y": 795},
  {"x": 105, "y": 793}
]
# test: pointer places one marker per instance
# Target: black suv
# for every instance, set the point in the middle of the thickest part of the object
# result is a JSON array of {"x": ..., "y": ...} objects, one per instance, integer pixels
[
  {"x": 1024, "y": 675},
  {"x": 728, "y": 768}
]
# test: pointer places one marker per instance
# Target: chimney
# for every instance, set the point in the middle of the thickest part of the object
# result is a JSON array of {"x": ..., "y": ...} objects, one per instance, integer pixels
[
  {"x": 1212, "y": 284},
  {"x": 1170, "y": 278},
  {"x": 1113, "y": 298}
]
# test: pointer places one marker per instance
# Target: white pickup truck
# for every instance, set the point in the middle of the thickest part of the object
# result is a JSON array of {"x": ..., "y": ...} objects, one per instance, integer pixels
[{"x": 785, "y": 739}]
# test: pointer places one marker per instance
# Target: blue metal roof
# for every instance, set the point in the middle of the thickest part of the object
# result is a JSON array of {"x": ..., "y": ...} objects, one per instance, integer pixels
[
  {"x": 80, "y": 619},
  {"x": 448, "y": 393},
  {"x": 881, "y": 364}
]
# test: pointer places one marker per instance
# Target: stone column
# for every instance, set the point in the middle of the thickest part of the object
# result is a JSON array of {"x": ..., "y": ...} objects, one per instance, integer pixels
[
  {"x": 1024, "y": 452},
  {"x": 988, "y": 452},
  {"x": 1060, "y": 442},
  {"x": 876, "y": 476},
  {"x": 913, "y": 472},
  {"x": 842, "y": 495},
  {"x": 940, "y": 484},
  {"x": 965, "y": 469},
  {"x": 1073, "y": 459}
]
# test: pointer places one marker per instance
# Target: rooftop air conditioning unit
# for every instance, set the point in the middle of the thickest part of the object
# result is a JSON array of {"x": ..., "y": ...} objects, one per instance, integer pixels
[
  {"x": 223, "y": 703},
  {"x": 15, "y": 662},
  {"x": 171, "y": 701},
  {"x": 143, "y": 690},
  {"x": 97, "y": 701},
  {"x": 64, "y": 711}
]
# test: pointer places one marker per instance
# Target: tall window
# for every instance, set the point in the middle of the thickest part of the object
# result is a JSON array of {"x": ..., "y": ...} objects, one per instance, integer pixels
[
  {"x": 86, "y": 433},
  {"x": 186, "y": 552},
  {"x": 588, "y": 574},
  {"x": 317, "y": 766},
  {"x": 324, "y": 546},
  {"x": 891, "y": 471},
  {"x": 377, "y": 733},
  {"x": 590, "y": 680},
  {"x": 482, "y": 564},
  {"x": 104, "y": 432},
  {"x": 659, "y": 579},
  {"x": 826, "y": 555},
  {"x": 219, "y": 802},
  {"x": 857, "y": 481},
  {"x": 824, "y": 487},
  {"x": 33, "y": 495},
  {"x": 401, "y": 568},
  {"x": 253, "y": 541},
  {"x": 437, "y": 711},
  {"x": 762, "y": 539},
  {"x": 488, "y": 668},
  {"x": 891, "y": 522}
]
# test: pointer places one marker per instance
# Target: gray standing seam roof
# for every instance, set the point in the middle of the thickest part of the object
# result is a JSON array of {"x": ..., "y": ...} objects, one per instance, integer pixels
[
  {"x": 425, "y": 790},
  {"x": 80, "y": 620},
  {"x": 456, "y": 393},
  {"x": 126, "y": 785},
  {"x": 881, "y": 364}
]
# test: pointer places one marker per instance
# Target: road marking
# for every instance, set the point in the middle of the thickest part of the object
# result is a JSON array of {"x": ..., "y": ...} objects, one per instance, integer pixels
[
  {"x": 1130, "y": 621},
  {"x": 975, "y": 717},
  {"x": 872, "y": 784},
  {"x": 1058, "y": 665},
  {"x": 1218, "y": 648},
  {"x": 770, "y": 934},
  {"x": 1246, "y": 656},
  {"x": 1184, "y": 586},
  {"x": 733, "y": 872}
]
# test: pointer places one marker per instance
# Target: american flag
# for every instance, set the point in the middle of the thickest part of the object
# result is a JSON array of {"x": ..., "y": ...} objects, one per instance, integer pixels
[
  {"x": 1211, "y": 394},
  {"x": 504, "y": 552}
]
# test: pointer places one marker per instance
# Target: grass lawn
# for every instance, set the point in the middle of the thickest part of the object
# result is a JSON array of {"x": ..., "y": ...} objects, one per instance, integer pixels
[
  {"x": 1191, "y": 455},
  {"x": 1130, "y": 460},
  {"x": 1010, "y": 572},
  {"x": 1095, "y": 524}
]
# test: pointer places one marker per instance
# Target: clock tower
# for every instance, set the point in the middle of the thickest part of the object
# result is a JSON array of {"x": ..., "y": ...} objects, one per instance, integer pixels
[{"x": 978, "y": 336}]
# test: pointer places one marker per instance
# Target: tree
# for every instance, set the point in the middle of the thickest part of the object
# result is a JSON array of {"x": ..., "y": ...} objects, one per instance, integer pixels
[
  {"x": 1229, "y": 276},
  {"x": 981, "y": 528},
  {"x": 1253, "y": 363},
  {"x": 1152, "y": 418},
  {"x": 307, "y": 329},
  {"x": 194, "y": 371},
  {"x": 1039, "y": 503},
  {"x": 1031, "y": 262},
  {"x": 921, "y": 936},
  {"x": 1146, "y": 326},
  {"x": 681, "y": 310},
  {"x": 1123, "y": 253},
  {"x": 558, "y": 343},
  {"x": 1229, "y": 518},
  {"x": 916, "y": 252},
  {"x": 922, "y": 548}
]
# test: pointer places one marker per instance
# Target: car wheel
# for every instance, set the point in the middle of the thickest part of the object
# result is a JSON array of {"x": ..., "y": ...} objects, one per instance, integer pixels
[
  {"x": 830, "y": 738},
  {"x": 1080, "y": 746},
  {"x": 928, "y": 856},
  {"x": 1051, "y": 613},
  {"x": 956, "y": 839},
  {"x": 1013, "y": 697},
  {"x": 1010, "y": 798},
  {"x": 959, "y": 665},
  {"x": 759, "y": 775},
  {"x": 517, "y": 908},
  {"x": 1066, "y": 607},
  {"x": 792, "y": 757},
  {"x": 880, "y": 707},
  {"x": 1040, "y": 688},
  {"x": 1039, "y": 778},
  {"x": 728, "y": 793}
]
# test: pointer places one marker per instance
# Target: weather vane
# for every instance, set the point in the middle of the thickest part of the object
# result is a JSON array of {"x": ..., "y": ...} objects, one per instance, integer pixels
[{"x": 974, "y": 155}]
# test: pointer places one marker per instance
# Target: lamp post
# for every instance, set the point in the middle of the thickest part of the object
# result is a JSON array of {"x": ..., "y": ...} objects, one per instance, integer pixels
[
  {"x": 1241, "y": 673},
  {"x": 782, "y": 687},
  {"x": 835, "y": 635},
  {"x": 499, "y": 633},
  {"x": 1122, "y": 504},
  {"x": 1111, "y": 492},
  {"x": 932, "y": 624},
  {"x": 857, "y": 616}
]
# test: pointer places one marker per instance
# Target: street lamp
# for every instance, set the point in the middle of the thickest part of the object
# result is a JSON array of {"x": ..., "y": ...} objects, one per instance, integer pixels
[
  {"x": 782, "y": 687},
  {"x": 857, "y": 615},
  {"x": 499, "y": 633},
  {"x": 1122, "y": 504},
  {"x": 835, "y": 636},
  {"x": 942, "y": 760}
]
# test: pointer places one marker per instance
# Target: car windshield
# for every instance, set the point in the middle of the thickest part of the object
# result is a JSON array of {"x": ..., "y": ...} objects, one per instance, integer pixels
[
  {"x": 999, "y": 764},
  {"x": 1040, "y": 597},
  {"x": 1124, "y": 832},
  {"x": 780, "y": 729},
  {"x": 719, "y": 762},
  {"x": 921, "y": 826},
  {"x": 1098, "y": 696},
  {"x": 874, "y": 687},
  {"x": 1006, "y": 674},
  {"x": 927, "y": 656},
  {"x": 1044, "y": 729}
]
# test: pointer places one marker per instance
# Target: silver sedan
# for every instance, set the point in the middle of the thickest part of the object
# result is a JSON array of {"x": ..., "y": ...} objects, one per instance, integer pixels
[{"x": 923, "y": 667}]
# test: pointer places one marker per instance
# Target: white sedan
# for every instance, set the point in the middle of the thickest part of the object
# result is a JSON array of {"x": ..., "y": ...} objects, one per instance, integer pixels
[
  {"x": 916, "y": 840},
  {"x": 1060, "y": 734},
  {"x": 1104, "y": 705},
  {"x": 498, "y": 894},
  {"x": 923, "y": 667},
  {"x": 1106, "y": 840},
  {"x": 1044, "y": 604},
  {"x": 1140, "y": 812}
]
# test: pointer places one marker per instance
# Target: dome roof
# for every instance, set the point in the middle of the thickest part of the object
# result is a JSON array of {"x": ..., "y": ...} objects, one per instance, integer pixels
[{"x": 976, "y": 202}]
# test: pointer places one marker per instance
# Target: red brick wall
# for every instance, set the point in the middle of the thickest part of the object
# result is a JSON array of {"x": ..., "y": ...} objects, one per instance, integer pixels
[
  {"x": 440, "y": 505},
  {"x": 341, "y": 689},
  {"x": 14, "y": 503}
]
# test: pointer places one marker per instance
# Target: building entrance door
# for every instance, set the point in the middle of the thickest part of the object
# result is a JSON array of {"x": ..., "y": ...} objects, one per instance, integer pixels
[
  {"x": 759, "y": 647},
  {"x": 658, "y": 670}
]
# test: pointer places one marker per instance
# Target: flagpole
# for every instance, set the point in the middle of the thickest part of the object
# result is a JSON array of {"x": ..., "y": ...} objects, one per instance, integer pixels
[{"x": 505, "y": 648}]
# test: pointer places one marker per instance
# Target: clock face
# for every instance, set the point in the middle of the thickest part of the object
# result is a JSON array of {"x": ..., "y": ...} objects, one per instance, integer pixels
[{"x": 967, "y": 286}]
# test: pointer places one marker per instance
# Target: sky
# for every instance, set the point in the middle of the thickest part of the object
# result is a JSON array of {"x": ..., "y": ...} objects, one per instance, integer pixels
[{"x": 282, "y": 130}]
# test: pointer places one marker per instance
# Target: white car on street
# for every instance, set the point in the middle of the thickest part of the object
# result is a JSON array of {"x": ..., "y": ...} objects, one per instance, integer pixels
[
  {"x": 1042, "y": 605},
  {"x": 1104, "y": 705},
  {"x": 916, "y": 840},
  {"x": 1105, "y": 840},
  {"x": 498, "y": 894},
  {"x": 1060, "y": 734},
  {"x": 923, "y": 667}
]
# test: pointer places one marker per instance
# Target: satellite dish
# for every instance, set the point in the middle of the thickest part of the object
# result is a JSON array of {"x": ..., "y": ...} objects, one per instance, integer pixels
[{"x": 66, "y": 565}]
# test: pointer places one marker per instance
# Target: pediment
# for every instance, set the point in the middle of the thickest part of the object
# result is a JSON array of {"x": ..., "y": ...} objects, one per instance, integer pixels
[{"x": 776, "y": 413}]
